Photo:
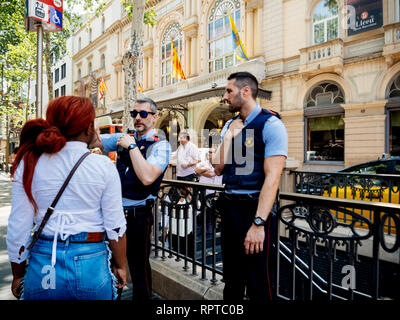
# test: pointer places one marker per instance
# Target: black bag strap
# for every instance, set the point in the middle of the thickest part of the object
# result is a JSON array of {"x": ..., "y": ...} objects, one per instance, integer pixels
[{"x": 50, "y": 209}]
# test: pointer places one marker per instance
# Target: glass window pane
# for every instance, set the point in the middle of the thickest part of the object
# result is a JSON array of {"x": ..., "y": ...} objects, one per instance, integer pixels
[
  {"x": 332, "y": 29},
  {"x": 211, "y": 52},
  {"x": 168, "y": 49},
  {"x": 219, "y": 64},
  {"x": 325, "y": 138},
  {"x": 211, "y": 31},
  {"x": 219, "y": 47},
  {"x": 163, "y": 52},
  {"x": 237, "y": 20},
  {"x": 228, "y": 61},
  {"x": 169, "y": 66},
  {"x": 325, "y": 10},
  {"x": 228, "y": 44},
  {"x": 227, "y": 24},
  {"x": 319, "y": 35},
  {"x": 219, "y": 27},
  {"x": 168, "y": 79},
  {"x": 211, "y": 66},
  {"x": 394, "y": 133}
]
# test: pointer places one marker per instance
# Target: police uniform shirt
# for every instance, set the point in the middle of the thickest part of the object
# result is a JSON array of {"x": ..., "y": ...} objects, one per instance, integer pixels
[
  {"x": 160, "y": 154},
  {"x": 274, "y": 136}
]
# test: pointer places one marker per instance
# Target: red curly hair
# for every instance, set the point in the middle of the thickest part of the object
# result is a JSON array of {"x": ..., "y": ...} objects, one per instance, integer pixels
[{"x": 66, "y": 118}]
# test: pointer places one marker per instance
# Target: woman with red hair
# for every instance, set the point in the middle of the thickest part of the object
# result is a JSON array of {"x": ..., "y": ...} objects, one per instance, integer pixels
[{"x": 70, "y": 259}]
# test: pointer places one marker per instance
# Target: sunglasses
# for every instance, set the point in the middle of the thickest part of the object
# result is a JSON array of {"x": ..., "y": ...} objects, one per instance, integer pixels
[{"x": 143, "y": 114}]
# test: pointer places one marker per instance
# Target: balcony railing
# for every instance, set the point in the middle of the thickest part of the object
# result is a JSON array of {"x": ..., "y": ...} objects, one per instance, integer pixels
[
  {"x": 318, "y": 238},
  {"x": 391, "y": 49},
  {"x": 204, "y": 81},
  {"x": 323, "y": 57}
]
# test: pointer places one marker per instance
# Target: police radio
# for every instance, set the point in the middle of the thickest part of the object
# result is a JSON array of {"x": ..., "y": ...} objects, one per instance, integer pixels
[{"x": 121, "y": 148}]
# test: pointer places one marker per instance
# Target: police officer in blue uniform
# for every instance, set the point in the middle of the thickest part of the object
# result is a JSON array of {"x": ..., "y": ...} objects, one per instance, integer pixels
[
  {"x": 142, "y": 159},
  {"x": 251, "y": 158}
]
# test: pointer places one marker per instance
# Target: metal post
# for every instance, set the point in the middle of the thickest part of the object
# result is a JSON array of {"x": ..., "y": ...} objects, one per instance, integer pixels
[{"x": 39, "y": 71}]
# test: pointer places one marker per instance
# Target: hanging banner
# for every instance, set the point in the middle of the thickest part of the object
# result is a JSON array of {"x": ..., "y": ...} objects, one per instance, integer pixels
[
  {"x": 47, "y": 12},
  {"x": 364, "y": 15}
]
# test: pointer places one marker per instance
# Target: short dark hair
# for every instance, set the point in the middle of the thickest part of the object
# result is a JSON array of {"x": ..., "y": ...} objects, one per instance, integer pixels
[
  {"x": 243, "y": 79},
  {"x": 153, "y": 105}
]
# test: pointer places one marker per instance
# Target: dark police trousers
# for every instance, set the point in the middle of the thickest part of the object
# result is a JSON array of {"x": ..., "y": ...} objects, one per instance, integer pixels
[
  {"x": 139, "y": 221},
  {"x": 252, "y": 274}
]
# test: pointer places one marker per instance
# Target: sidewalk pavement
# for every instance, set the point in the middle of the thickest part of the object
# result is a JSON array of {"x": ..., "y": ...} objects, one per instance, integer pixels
[{"x": 5, "y": 207}]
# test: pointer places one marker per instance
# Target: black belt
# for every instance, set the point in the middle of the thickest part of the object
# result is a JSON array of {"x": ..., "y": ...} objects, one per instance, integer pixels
[{"x": 128, "y": 210}]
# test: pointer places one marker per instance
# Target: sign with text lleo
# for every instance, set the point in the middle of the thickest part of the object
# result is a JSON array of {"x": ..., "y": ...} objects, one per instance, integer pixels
[
  {"x": 47, "y": 12},
  {"x": 364, "y": 15}
]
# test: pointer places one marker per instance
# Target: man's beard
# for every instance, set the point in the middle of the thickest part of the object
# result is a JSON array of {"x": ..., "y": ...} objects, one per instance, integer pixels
[{"x": 236, "y": 104}]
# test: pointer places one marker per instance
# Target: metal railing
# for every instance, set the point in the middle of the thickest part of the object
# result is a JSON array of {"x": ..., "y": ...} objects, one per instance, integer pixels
[
  {"x": 313, "y": 245},
  {"x": 316, "y": 233},
  {"x": 368, "y": 187},
  {"x": 183, "y": 213}
]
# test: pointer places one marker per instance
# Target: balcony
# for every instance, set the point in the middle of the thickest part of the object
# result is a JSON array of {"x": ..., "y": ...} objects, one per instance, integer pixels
[
  {"x": 323, "y": 57},
  {"x": 391, "y": 49},
  {"x": 205, "y": 81}
]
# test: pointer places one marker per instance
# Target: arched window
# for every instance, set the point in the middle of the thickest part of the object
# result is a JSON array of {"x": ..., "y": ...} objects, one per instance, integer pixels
[
  {"x": 79, "y": 74},
  {"x": 172, "y": 33},
  {"x": 90, "y": 35},
  {"x": 325, "y": 21},
  {"x": 102, "y": 61},
  {"x": 79, "y": 44},
  {"x": 393, "y": 108},
  {"x": 220, "y": 47},
  {"x": 324, "y": 122},
  {"x": 89, "y": 67}
]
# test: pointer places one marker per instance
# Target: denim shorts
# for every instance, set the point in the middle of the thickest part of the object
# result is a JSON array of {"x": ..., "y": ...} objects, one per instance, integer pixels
[{"x": 82, "y": 271}]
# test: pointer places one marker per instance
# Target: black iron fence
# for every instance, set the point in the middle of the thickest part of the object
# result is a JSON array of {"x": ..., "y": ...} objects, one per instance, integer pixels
[
  {"x": 328, "y": 247},
  {"x": 375, "y": 188},
  {"x": 188, "y": 226},
  {"x": 323, "y": 251}
]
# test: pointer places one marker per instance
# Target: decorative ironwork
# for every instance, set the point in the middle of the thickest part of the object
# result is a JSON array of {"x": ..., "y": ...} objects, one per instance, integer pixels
[
  {"x": 322, "y": 223},
  {"x": 326, "y": 93},
  {"x": 221, "y": 6}
]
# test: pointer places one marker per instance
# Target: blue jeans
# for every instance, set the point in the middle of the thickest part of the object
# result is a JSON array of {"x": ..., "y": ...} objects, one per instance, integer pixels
[{"x": 82, "y": 271}]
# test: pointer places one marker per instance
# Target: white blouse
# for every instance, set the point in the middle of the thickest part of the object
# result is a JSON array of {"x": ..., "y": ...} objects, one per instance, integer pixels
[{"x": 92, "y": 201}]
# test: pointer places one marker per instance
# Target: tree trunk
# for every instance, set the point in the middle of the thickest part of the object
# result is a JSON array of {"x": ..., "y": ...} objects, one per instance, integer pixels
[
  {"x": 130, "y": 61},
  {"x": 29, "y": 91},
  {"x": 47, "y": 59}
]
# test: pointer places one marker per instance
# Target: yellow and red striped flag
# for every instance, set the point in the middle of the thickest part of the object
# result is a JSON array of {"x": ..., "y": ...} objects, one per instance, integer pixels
[
  {"x": 177, "y": 71},
  {"x": 139, "y": 87},
  {"x": 102, "y": 88}
]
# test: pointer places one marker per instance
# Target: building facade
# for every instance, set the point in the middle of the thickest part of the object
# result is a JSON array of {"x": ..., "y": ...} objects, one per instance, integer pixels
[{"x": 332, "y": 68}]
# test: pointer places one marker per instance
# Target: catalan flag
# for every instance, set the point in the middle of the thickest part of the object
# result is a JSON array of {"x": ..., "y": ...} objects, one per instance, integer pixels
[
  {"x": 102, "y": 88},
  {"x": 139, "y": 87},
  {"x": 237, "y": 43},
  {"x": 177, "y": 71}
]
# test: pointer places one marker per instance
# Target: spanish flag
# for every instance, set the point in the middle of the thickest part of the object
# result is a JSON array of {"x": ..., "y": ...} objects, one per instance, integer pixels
[
  {"x": 177, "y": 71},
  {"x": 139, "y": 87},
  {"x": 237, "y": 43},
  {"x": 102, "y": 88}
]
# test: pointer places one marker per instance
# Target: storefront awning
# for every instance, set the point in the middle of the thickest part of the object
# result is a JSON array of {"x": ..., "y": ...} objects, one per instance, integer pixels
[{"x": 180, "y": 102}]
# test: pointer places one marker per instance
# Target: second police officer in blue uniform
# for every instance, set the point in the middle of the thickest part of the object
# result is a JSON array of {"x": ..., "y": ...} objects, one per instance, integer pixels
[
  {"x": 141, "y": 165},
  {"x": 251, "y": 158}
]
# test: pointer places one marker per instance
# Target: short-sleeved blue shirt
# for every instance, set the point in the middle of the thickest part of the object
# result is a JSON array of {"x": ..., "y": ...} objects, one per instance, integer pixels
[
  {"x": 274, "y": 136},
  {"x": 160, "y": 154}
]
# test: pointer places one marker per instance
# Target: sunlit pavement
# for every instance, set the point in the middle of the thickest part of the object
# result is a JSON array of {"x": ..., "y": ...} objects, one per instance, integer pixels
[{"x": 5, "y": 207}]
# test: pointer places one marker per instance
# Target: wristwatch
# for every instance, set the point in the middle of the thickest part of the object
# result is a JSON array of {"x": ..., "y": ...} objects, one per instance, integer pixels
[
  {"x": 258, "y": 221},
  {"x": 132, "y": 146}
]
